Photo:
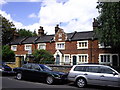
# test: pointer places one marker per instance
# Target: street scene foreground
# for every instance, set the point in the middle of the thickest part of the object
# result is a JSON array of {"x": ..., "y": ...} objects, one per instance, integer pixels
[{"x": 10, "y": 83}]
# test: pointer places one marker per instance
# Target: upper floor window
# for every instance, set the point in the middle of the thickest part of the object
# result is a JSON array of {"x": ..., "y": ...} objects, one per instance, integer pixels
[
  {"x": 41, "y": 46},
  {"x": 28, "y": 47},
  {"x": 102, "y": 45},
  {"x": 60, "y": 45},
  {"x": 14, "y": 47},
  {"x": 82, "y": 44}
]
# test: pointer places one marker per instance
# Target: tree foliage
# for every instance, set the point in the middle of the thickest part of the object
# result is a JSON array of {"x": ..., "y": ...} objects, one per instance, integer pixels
[
  {"x": 7, "y": 54},
  {"x": 8, "y": 29},
  {"x": 24, "y": 32},
  {"x": 109, "y": 23},
  {"x": 43, "y": 56}
]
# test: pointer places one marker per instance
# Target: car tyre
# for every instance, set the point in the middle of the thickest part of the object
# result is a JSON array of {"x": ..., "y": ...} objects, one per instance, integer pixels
[
  {"x": 19, "y": 76},
  {"x": 49, "y": 80},
  {"x": 81, "y": 82}
]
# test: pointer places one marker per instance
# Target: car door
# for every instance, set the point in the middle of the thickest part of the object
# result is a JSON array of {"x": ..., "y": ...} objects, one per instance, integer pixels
[
  {"x": 92, "y": 75},
  {"x": 26, "y": 71},
  {"x": 37, "y": 72},
  {"x": 107, "y": 77}
]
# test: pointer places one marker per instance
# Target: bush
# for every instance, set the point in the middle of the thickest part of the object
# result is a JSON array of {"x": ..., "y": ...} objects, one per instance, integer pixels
[
  {"x": 7, "y": 54},
  {"x": 43, "y": 57}
]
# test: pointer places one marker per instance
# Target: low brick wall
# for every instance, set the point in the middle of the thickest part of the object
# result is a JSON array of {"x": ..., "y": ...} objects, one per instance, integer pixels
[{"x": 60, "y": 68}]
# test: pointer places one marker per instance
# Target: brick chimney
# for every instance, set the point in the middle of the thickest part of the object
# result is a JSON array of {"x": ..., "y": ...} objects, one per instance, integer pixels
[
  {"x": 40, "y": 31},
  {"x": 95, "y": 24},
  {"x": 56, "y": 28}
]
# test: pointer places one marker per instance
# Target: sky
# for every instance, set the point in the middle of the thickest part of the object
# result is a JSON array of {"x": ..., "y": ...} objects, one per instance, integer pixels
[{"x": 71, "y": 15}]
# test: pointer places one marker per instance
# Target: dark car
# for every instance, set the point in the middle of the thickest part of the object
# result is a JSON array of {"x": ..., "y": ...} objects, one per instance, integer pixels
[
  {"x": 5, "y": 69},
  {"x": 39, "y": 72}
]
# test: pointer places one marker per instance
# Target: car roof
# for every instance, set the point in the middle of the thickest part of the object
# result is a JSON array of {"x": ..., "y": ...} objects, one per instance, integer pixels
[{"x": 91, "y": 65}]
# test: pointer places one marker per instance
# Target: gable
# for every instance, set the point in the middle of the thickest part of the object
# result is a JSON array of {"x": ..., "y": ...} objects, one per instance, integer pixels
[{"x": 60, "y": 36}]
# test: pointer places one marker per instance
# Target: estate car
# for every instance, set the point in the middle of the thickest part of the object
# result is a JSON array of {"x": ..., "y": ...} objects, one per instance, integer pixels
[{"x": 86, "y": 74}]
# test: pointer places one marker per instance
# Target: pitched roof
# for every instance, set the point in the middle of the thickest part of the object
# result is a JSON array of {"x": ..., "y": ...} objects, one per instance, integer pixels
[
  {"x": 29, "y": 40},
  {"x": 18, "y": 40},
  {"x": 47, "y": 38}
]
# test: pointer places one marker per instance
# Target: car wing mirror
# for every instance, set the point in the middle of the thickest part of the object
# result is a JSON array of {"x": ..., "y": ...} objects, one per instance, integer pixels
[{"x": 114, "y": 73}]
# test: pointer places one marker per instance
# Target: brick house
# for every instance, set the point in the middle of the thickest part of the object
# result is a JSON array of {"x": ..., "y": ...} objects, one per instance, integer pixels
[{"x": 67, "y": 48}]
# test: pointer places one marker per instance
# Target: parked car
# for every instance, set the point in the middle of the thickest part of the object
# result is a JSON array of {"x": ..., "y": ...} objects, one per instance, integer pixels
[
  {"x": 5, "y": 69},
  {"x": 39, "y": 72},
  {"x": 102, "y": 75}
]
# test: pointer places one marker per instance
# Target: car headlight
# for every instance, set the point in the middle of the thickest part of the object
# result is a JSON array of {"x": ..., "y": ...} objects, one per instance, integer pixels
[{"x": 57, "y": 76}]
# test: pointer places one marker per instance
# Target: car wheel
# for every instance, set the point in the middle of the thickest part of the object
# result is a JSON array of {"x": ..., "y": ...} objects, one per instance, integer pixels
[
  {"x": 49, "y": 80},
  {"x": 81, "y": 82},
  {"x": 19, "y": 76}
]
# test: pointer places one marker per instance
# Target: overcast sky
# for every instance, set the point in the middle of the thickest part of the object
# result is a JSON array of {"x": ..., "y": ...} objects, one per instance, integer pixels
[{"x": 71, "y": 15}]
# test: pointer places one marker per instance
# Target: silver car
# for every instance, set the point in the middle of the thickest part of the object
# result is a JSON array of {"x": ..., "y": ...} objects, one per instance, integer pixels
[{"x": 101, "y": 75}]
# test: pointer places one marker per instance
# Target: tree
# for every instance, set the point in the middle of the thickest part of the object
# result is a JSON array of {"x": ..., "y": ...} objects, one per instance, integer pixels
[
  {"x": 7, "y": 54},
  {"x": 8, "y": 29},
  {"x": 43, "y": 56},
  {"x": 108, "y": 30},
  {"x": 24, "y": 32}
]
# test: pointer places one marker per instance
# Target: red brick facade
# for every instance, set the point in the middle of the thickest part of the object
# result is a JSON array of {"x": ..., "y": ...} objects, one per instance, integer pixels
[{"x": 70, "y": 51}]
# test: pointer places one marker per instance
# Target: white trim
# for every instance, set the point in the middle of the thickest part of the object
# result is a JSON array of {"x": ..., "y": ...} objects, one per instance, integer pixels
[
  {"x": 60, "y": 54},
  {"x": 83, "y": 57},
  {"x": 103, "y": 46},
  {"x": 62, "y": 48},
  {"x": 42, "y": 44},
  {"x": 14, "y": 49},
  {"x": 26, "y": 49},
  {"x": 78, "y": 46},
  {"x": 65, "y": 60},
  {"x": 110, "y": 63}
]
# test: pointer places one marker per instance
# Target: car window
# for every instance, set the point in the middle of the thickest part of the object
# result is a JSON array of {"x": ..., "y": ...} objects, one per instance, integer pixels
[
  {"x": 35, "y": 67},
  {"x": 29, "y": 66},
  {"x": 94, "y": 69},
  {"x": 24, "y": 66},
  {"x": 46, "y": 68},
  {"x": 106, "y": 70},
  {"x": 80, "y": 68}
]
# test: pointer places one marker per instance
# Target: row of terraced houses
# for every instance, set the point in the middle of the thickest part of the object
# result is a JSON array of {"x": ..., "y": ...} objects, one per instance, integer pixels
[{"x": 67, "y": 48}]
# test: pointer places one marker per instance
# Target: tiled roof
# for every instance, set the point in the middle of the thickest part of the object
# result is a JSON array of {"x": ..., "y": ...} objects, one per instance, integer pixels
[
  {"x": 18, "y": 40},
  {"x": 47, "y": 38},
  {"x": 30, "y": 40}
]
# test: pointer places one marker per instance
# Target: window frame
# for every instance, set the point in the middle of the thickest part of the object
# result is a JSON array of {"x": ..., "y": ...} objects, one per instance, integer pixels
[
  {"x": 62, "y": 47},
  {"x": 85, "y": 46},
  {"x": 66, "y": 62},
  {"x": 83, "y": 56},
  {"x": 41, "y": 44},
  {"x": 26, "y": 49},
  {"x": 13, "y": 48}
]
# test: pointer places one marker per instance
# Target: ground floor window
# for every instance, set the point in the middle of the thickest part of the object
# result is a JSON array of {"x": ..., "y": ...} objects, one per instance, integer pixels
[
  {"x": 108, "y": 59},
  {"x": 67, "y": 59},
  {"x": 83, "y": 58}
]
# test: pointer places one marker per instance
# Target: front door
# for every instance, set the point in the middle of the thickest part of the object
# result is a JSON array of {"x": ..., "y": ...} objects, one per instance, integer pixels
[
  {"x": 58, "y": 59},
  {"x": 115, "y": 60},
  {"x": 74, "y": 60}
]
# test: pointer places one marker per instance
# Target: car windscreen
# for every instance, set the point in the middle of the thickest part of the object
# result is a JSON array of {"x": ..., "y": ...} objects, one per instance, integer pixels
[
  {"x": 116, "y": 68},
  {"x": 46, "y": 68}
]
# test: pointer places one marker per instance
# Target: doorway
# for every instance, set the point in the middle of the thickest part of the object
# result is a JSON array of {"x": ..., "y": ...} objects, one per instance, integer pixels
[
  {"x": 74, "y": 60},
  {"x": 58, "y": 59},
  {"x": 114, "y": 60}
]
